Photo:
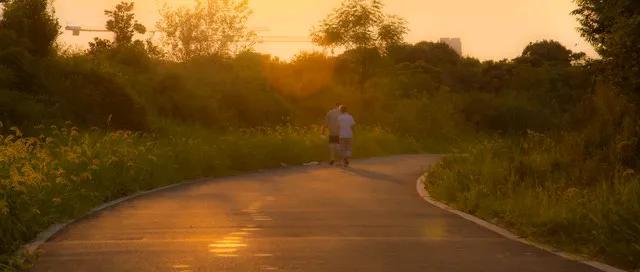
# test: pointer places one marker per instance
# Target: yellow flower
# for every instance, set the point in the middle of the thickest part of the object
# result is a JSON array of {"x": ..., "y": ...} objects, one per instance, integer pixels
[{"x": 4, "y": 207}]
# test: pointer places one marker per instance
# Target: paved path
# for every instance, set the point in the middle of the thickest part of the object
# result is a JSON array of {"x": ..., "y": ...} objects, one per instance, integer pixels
[{"x": 367, "y": 218}]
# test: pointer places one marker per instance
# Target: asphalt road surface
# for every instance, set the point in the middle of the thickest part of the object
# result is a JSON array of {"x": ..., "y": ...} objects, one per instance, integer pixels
[{"x": 317, "y": 218}]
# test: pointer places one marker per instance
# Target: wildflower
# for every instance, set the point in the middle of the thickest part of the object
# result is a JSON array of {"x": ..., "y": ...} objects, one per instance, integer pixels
[
  {"x": 17, "y": 131},
  {"x": 4, "y": 207},
  {"x": 628, "y": 173}
]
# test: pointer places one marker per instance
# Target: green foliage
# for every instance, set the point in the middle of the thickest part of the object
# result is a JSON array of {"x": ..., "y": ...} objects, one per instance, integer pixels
[
  {"x": 29, "y": 24},
  {"x": 509, "y": 114},
  {"x": 535, "y": 187},
  {"x": 360, "y": 24},
  {"x": 362, "y": 28},
  {"x": 578, "y": 190},
  {"x": 18, "y": 106},
  {"x": 211, "y": 27},
  {"x": 437, "y": 54},
  {"x": 612, "y": 27},
  {"x": 124, "y": 48},
  {"x": 216, "y": 92},
  {"x": 546, "y": 52},
  {"x": 94, "y": 97},
  {"x": 20, "y": 70},
  {"x": 136, "y": 57},
  {"x": 123, "y": 24}
]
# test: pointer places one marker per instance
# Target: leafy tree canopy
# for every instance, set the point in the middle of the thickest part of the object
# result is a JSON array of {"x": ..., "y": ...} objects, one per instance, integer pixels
[
  {"x": 123, "y": 24},
  {"x": 547, "y": 52},
  {"x": 31, "y": 25},
  {"x": 613, "y": 28},
  {"x": 360, "y": 24},
  {"x": 212, "y": 27}
]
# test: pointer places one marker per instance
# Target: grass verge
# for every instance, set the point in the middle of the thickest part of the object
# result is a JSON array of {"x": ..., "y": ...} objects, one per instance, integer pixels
[{"x": 549, "y": 190}]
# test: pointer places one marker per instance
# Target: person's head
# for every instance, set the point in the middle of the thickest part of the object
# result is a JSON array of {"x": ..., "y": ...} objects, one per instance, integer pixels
[
  {"x": 338, "y": 105},
  {"x": 343, "y": 109}
]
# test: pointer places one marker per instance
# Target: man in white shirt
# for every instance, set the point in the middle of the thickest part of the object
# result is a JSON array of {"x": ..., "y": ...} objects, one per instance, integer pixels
[
  {"x": 346, "y": 124},
  {"x": 331, "y": 122}
]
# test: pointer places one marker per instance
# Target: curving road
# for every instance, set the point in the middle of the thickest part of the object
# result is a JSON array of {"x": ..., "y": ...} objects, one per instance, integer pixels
[{"x": 367, "y": 218}]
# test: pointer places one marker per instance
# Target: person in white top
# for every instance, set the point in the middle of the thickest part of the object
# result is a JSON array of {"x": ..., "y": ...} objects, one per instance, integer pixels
[
  {"x": 331, "y": 123},
  {"x": 346, "y": 123}
]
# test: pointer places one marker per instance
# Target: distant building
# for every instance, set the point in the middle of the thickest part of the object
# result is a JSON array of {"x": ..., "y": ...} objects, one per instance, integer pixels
[{"x": 454, "y": 43}]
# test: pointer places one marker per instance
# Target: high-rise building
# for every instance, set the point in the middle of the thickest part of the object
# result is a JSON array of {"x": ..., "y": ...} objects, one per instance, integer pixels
[{"x": 454, "y": 43}]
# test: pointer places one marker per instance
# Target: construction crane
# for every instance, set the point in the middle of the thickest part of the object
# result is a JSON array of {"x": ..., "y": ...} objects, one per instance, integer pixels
[{"x": 76, "y": 31}]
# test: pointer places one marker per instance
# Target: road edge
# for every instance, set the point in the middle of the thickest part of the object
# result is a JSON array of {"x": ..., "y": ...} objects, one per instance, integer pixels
[
  {"x": 424, "y": 194},
  {"x": 32, "y": 247}
]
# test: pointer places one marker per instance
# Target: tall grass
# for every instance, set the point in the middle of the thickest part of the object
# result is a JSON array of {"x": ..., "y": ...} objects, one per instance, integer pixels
[
  {"x": 64, "y": 172},
  {"x": 553, "y": 189}
]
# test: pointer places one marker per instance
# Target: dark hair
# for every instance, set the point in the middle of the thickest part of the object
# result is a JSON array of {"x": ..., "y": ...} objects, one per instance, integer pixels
[{"x": 343, "y": 108}]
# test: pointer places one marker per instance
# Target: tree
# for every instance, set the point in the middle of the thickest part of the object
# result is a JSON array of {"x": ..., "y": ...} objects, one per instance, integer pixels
[
  {"x": 31, "y": 25},
  {"x": 613, "y": 28},
  {"x": 436, "y": 54},
  {"x": 212, "y": 27},
  {"x": 123, "y": 24},
  {"x": 547, "y": 52},
  {"x": 360, "y": 26}
]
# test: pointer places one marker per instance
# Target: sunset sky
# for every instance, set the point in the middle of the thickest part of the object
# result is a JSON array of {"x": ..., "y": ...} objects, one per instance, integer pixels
[{"x": 489, "y": 29}]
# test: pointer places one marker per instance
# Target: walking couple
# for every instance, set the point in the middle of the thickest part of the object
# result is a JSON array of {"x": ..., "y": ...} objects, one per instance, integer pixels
[{"x": 340, "y": 124}]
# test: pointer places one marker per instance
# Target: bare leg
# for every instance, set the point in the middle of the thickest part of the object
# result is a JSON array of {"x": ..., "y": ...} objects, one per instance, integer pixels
[
  {"x": 334, "y": 151},
  {"x": 346, "y": 150}
]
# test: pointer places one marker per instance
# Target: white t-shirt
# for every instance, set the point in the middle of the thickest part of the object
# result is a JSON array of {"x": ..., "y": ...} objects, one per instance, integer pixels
[
  {"x": 346, "y": 125},
  {"x": 332, "y": 122}
]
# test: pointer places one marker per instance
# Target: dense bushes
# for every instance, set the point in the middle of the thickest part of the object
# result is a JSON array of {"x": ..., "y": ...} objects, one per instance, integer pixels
[
  {"x": 28, "y": 25},
  {"x": 126, "y": 87},
  {"x": 576, "y": 189},
  {"x": 535, "y": 187},
  {"x": 94, "y": 96}
]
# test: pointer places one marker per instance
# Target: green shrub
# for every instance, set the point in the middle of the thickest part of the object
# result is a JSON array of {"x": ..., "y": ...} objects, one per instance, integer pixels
[
  {"x": 550, "y": 190},
  {"x": 513, "y": 113},
  {"x": 93, "y": 96},
  {"x": 17, "y": 108}
]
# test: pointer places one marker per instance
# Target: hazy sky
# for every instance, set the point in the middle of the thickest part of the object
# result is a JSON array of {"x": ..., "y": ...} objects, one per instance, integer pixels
[{"x": 489, "y": 29}]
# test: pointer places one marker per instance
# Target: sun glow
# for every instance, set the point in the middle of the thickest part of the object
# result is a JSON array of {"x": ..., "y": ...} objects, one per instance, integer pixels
[{"x": 492, "y": 29}]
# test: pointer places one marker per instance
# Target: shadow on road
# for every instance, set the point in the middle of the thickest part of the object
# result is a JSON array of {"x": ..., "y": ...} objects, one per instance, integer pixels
[{"x": 372, "y": 175}]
